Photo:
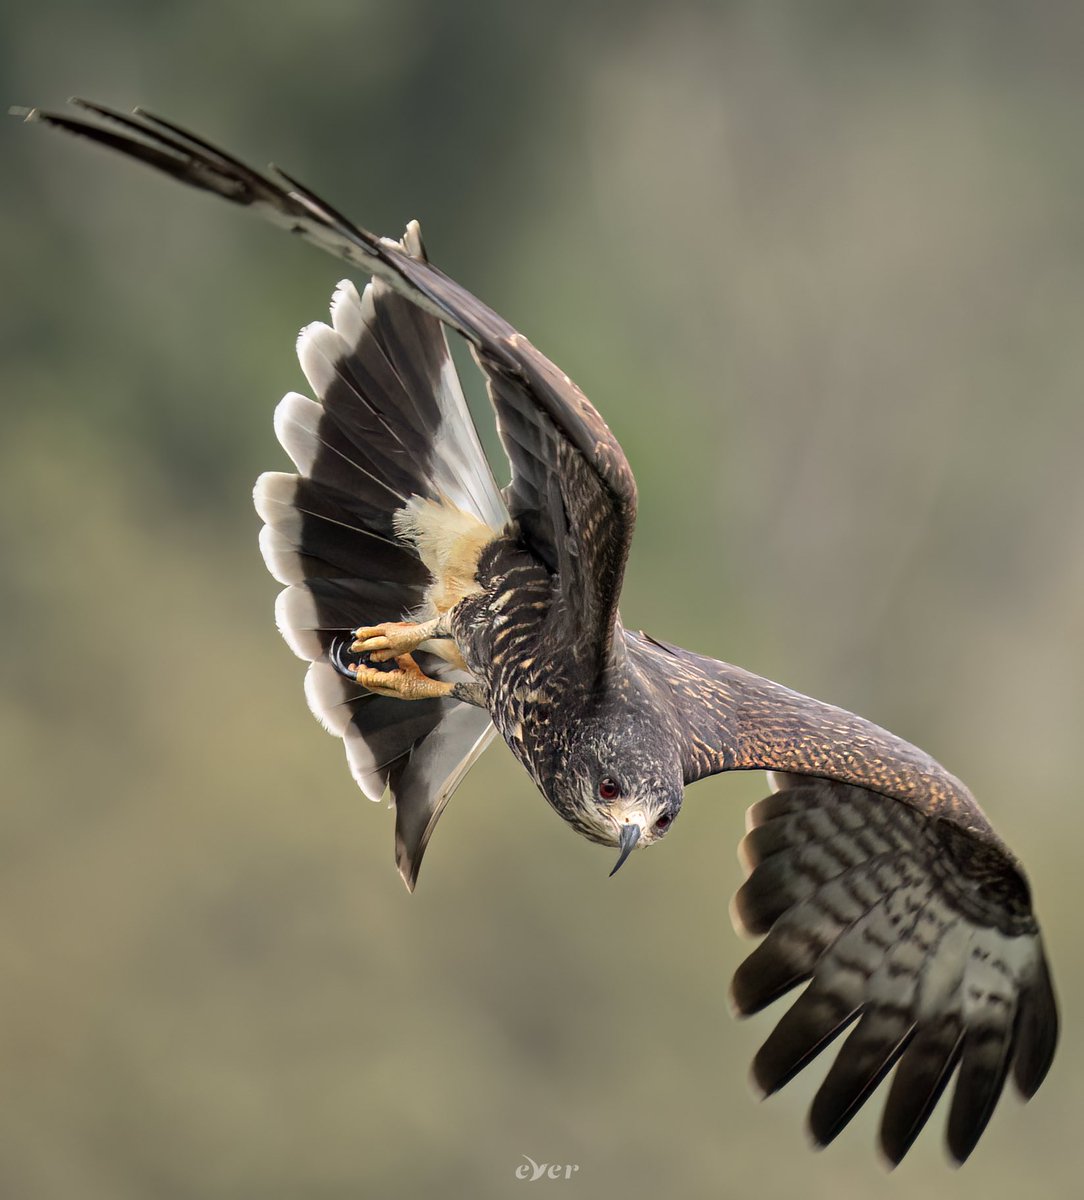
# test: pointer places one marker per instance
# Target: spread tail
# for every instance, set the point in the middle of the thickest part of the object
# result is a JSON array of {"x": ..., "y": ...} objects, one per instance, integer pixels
[{"x": 390, "y": 426}]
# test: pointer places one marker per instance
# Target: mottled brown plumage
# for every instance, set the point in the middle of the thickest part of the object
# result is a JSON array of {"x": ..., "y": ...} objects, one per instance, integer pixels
[{"x": 873, "y": 875}]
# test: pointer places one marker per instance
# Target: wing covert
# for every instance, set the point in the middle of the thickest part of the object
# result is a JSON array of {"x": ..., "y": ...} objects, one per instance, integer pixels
[{"x": 733, "y": 720}]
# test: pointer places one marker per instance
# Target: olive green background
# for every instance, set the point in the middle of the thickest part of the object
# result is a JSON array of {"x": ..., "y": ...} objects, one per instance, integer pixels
[{"x": 821, "y": 266}]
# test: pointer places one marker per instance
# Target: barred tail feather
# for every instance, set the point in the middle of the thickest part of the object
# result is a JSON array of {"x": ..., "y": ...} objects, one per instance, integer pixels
[{"x": 390, "y": 423}]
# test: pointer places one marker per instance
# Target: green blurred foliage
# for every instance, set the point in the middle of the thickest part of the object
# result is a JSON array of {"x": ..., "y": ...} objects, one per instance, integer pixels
[{"x": 822, "y": 268}]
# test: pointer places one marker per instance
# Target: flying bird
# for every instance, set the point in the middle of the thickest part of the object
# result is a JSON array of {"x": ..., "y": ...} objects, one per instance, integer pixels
[{"x": 436, "y": 609}]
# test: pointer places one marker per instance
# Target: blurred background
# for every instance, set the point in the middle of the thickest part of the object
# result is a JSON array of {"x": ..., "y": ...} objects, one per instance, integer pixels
[{"x": 822, "y": 269}]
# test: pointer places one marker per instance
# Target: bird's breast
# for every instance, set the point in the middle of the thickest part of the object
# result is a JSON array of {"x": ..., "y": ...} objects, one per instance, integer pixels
[{"x": 509, "y": 636}]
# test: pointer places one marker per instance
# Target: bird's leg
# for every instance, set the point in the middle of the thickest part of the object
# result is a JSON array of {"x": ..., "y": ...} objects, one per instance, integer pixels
[
  {"x": 410, "y": 682},
  {"x": 392, "y": 638},
  {"x": 395, "y": 640},
  {"x": 407, "y": 682}
]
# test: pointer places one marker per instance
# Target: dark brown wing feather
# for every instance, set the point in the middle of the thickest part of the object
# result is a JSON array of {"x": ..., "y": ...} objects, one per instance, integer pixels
[
  {"x": 878, "y": 882},
  {"x": 734, "y": 720},
  {"x": 572, "y": 491}
]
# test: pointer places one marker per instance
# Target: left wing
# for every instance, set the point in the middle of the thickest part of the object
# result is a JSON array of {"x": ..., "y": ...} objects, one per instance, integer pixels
[
  {"x": 572, "y": 492},
  {"x": 875, "y": 876}
]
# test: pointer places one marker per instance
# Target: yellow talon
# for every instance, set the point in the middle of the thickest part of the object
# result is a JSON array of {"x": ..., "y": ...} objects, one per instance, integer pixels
[
  {"x": 408, "y": 682},
  {"x": 387, "y": 641}
]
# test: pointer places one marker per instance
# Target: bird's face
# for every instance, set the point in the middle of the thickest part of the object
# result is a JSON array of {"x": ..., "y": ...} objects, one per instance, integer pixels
[{"x": 619, "y": 789}]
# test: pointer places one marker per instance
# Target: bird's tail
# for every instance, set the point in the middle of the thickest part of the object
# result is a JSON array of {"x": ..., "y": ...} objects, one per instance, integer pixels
[{"x": 390, "y": 423}]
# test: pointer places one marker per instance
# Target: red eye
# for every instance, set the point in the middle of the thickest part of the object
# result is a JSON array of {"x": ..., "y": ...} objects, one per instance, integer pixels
[
  {"x": 663, "y": 823},
  {"x": 608, "y": 789}
]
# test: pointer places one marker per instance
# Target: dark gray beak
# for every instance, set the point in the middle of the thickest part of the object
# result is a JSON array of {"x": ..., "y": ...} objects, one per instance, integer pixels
[{"x": 630, "y": 835}]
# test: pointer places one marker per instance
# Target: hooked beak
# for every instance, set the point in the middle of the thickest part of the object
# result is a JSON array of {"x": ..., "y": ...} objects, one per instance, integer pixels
[{"x": 630, "y": 835}]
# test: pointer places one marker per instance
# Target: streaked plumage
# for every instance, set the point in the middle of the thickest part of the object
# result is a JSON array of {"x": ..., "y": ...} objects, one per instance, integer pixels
[{"x": 873, "y": 874}]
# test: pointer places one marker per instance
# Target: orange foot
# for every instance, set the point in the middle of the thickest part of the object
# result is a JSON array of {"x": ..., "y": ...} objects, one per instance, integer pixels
[
  {"x": 389, "y": 640},
  {"x": 408, "y": 682}
]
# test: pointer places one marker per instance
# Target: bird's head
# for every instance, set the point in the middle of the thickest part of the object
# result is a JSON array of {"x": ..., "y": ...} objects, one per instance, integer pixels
[{"x": 620, "y": 784}]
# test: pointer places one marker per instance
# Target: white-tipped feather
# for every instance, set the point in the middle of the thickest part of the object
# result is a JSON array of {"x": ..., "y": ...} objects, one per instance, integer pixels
[
  {"x": 297, "y": 421},
  {"x": 275, "y": 497},
  {"x": 319, "y": 348},
  {"x": 346, "y": 313},
  {"x": 326, "y": 692},
  {"x": 367, "y": 773},
  {"x": 295, "y": 616},
  {"x": 365, "y": 316},
  {"x": 280, "y": 556}
]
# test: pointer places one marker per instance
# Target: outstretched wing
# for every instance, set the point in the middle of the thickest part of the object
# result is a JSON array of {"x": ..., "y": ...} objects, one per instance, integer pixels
[
  {"x": 876, "y": 878},
  {"x": 572, "y": 492}
]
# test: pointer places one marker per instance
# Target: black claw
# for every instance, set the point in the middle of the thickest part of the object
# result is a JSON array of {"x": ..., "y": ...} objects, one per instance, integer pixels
[{"x": 336, "y": 655}]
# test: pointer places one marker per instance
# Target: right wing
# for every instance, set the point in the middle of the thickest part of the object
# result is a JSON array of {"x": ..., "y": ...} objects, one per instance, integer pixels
[{"x": 876, "y": 879}]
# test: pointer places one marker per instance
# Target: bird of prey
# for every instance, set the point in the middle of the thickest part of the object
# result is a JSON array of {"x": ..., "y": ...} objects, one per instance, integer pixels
[{"x": 435, "y": 609}]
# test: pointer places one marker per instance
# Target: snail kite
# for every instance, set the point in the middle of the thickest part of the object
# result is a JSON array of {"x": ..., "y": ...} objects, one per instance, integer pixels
[{"x": 436, "y": 609}]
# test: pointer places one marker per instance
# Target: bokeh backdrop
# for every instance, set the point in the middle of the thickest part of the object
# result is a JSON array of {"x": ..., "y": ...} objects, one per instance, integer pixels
[{"x": 821, "y": 266}]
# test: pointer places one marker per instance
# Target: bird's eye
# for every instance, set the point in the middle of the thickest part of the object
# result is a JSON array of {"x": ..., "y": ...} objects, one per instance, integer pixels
[
  {"x": 608, "y": 789},
  {"x": 663, "y": 823}
]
